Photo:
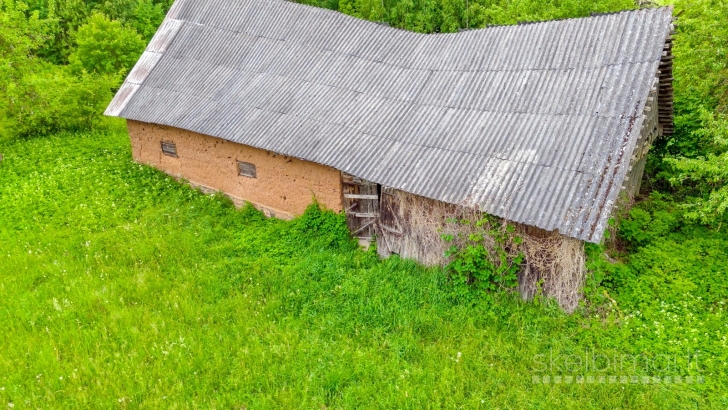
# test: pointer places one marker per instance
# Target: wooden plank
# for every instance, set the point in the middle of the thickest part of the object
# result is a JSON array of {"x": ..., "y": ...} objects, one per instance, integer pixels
[
  {"x": 390, "y": 230},
  {"x": 361, "y": 202},
  {"x": 363, "y": 215},
  {"x": 359, "y": 196},
  {"x": 365, "y": 226}
]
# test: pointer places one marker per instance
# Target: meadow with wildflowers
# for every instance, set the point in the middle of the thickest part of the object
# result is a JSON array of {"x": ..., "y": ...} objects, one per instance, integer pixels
[{"x": 121, "y": 286}]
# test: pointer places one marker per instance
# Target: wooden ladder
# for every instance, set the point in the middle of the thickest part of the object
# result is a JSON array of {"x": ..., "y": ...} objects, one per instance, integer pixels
[{"x": 361, "y": 204}]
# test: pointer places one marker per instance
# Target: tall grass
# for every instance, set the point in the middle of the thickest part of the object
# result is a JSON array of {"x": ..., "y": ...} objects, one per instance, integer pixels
[{"x": 120, "y": 287}]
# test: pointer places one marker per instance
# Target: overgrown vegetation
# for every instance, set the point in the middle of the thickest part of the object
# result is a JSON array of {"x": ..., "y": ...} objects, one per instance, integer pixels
[
  {"x": 485, "y": 261},
  {"x": 119, "y": 286},
  {"x": 62, "y": 60}
]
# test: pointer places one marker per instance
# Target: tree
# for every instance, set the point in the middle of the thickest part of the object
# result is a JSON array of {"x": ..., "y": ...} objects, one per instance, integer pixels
[
  {"x": 147, "y": 18},
  {"x": 20, "y": 36},
  {"x": 106, "y": 47}
]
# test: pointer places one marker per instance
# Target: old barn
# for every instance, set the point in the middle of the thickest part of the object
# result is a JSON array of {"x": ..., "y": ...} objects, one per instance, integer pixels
[{"x": 543, "y": 124}]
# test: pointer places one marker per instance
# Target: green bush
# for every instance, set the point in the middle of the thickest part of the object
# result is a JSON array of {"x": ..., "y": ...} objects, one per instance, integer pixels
[
  {"x": 652, "y": 220},
  {"x": 21, "y": 33},
  {"x": 709, "y": 172},
  {"x": 144, "y": 16},
  {"x": 700, "y": 70},
  {"x": 40, "y": 98},
  {"x": 106, "y": 47},
  {"x": 53, "y": 100},
  {"x": 670, "y": 258},
  {"x": 147, "y": 17},
  {"x": 483, "y": 261},
  {"x": 323, "y": 227}
]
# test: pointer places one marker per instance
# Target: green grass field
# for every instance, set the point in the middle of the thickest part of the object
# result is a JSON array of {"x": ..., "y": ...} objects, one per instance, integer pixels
[{"x": 120, "y": 287}]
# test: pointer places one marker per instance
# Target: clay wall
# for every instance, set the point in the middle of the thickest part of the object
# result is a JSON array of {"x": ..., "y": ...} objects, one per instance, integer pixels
[{"x": 283, "y": 186}]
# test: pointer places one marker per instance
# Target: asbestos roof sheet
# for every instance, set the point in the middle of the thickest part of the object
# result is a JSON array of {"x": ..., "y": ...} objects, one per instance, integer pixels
[{"x": 534, "y": 123}]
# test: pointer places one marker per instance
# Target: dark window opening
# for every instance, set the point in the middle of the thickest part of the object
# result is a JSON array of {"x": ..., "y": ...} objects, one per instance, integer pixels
[
  {"x": 246, "y": 169},
  {"x": 169, "y": 148}
]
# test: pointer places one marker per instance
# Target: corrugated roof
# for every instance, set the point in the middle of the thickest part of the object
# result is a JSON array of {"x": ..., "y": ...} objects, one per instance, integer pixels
[{"x": 534, "y": 123}]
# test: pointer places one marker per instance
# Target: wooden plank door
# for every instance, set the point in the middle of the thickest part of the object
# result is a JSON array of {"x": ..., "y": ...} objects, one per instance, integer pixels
[
  {"x": 361, "y": 204},
  {"x": 389, "y": 235}
]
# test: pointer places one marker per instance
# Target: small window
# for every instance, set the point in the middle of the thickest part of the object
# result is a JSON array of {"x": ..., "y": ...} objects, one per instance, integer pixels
[
  {"x": 246, "y": 169},
  {"x": 169, "y": 148}
]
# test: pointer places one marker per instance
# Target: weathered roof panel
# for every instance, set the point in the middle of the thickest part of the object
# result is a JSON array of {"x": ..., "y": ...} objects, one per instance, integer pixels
[{"x": 535, "y": 123}]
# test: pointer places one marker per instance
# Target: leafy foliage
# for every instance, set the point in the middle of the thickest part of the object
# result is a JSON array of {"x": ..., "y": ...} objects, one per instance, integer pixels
[
  {"x": 106, "y": 47},
  {"x": 485, "y": 261},
  {"x": 144, "y": 16},
  {"x": 20, "y": 35},
  {"x": 147, "y": 17},
  {"x": 39, "y": 97},
  {"x": 700, "y": 70},
  {"x": 55, "y": 100},
  {"x": 39, "y": 94},
  {"x": 328, "y": 227},
  {"x": 670, "y": 258},
  {"x": 711, "y": 170},
  {"x": 655, "y": 218}
]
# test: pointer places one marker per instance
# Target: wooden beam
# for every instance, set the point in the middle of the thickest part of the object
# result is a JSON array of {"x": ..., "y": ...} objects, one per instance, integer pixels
[
  {"x": 363, "y": 227},
  {"x": 363, "y": 215},
  {"x": 360, "y": 196}
]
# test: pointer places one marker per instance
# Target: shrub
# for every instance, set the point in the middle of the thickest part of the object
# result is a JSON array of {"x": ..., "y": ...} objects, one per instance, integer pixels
[
  {"x": 671, "y": 258},
  {"x": 106, "y": 47},
  {"x": 322, "y": 227},
  {"x": 38, "y": 97},
  {"x": 651, "y": 220},
  {"x": 711, "y": 171},
  {"x": 52, "y": 100},
  {"x": 485, "y": 260},
  {"x": 21, "y": 32}
]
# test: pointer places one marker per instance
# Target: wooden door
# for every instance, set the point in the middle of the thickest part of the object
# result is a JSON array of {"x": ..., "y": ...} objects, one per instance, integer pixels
[
  {"x": 389, "y": 237},
  {"x": 361, "y": 204}
]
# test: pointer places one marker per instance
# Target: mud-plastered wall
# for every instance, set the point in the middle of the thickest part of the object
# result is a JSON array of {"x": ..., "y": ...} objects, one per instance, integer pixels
[{"x": 282, "y": 187}]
